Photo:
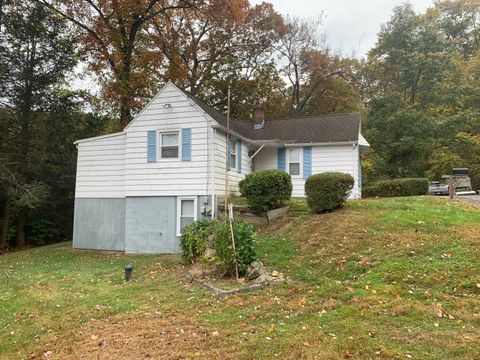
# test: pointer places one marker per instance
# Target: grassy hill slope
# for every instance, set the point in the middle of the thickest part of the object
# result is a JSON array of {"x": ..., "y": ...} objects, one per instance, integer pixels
[{"x": 381, "y": 278}]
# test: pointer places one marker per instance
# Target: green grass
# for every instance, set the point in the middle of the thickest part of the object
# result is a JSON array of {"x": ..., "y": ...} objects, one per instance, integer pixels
[{"x": 367, "y": 281}]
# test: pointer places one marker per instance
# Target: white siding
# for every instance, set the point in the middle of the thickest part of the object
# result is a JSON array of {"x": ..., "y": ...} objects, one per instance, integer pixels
[
  {"x": 266, "y": 159},
  {"x": 100, "y": 168},
  {"x": 341, "y": 158},
  {"x": 116, "y": 166},
  {"x": 168, "y": 176},
  {"x": 220, "y": 165}
]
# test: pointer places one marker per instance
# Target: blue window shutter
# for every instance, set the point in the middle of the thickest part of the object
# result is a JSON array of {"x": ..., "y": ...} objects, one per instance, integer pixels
[
  {"x": 239, "y": 156},
  {"x": 282, "y": 159},
  {"x": 186, "y": 144},
  {"x": 229, "y": 148},
  {"x": 307, "y": 161},
  {"x": 151, "y": 146}
]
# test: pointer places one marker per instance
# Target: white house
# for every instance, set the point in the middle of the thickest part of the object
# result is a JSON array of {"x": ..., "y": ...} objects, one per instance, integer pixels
[{"x": 136, "y": 189}]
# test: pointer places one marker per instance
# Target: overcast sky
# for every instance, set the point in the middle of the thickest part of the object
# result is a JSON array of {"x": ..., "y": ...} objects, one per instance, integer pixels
[{"x": 350, "y": 25}]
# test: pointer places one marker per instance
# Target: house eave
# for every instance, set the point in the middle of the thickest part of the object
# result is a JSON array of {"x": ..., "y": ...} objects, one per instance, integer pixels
[
  {"x": 326, "y": 143},
  {"x": 240, "y": 136},
  {"x": 121, "y": 133}
]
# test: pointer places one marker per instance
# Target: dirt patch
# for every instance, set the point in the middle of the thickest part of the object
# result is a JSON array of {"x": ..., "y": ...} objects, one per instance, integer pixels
[{"x": 142, "y": 336}]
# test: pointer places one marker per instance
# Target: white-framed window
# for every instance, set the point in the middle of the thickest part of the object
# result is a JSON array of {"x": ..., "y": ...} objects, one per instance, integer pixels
[
  {"x": 169, "y": 145},
  {"x": 186, "y": 212},
  {"x": 232, "y": 154},
  {"x": 294, "y": 155}
]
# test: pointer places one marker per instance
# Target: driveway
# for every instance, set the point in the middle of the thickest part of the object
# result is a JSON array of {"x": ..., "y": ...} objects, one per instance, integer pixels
[{"x": 471, "y": 199}]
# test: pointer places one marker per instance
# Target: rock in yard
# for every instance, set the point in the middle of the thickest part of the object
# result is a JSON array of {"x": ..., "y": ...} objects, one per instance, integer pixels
[
  {"x": 210, "y": 253},
  {"x": 264, "y": 279},
  {"x": 275, "y": 273},
  {"x": 255, "y": 270}
]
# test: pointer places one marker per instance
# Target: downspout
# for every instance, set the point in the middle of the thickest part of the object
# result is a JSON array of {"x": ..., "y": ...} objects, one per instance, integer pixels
[
  {"x": 355, "y": 169},
  {"x": 214, "y": 206}
]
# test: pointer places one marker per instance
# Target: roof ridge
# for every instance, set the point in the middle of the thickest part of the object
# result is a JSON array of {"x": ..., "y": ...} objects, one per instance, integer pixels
[
  {"x": 198, "y": 101},
  {"x": 285, "y": 118}
]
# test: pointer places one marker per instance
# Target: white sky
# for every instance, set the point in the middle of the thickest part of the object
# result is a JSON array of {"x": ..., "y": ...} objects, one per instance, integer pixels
[{"x": 350, "y": 25}]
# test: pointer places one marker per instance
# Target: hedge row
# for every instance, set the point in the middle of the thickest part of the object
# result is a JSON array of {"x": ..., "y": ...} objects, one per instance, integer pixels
[{"x": 396, "y": 187}]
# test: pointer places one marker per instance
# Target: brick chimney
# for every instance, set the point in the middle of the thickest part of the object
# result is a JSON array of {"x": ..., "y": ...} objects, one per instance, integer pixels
[{"x": 258, "y": 117}]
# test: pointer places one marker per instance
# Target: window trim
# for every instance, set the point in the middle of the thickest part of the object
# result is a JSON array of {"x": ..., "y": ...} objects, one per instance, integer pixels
[
  {"x": 179, "y": 210},
  {"x": 300, "y": 162},
  {"x": 179, "y": 145}
]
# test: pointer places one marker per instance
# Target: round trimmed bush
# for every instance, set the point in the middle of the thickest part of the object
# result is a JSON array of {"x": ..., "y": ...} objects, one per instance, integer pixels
[
  {"x": 328, "y": 191},
  {"x": 267, "y": 189}
]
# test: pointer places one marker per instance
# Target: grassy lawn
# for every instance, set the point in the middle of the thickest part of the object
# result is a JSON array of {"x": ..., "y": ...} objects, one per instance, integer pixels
[{"x": 380, "y": 279}]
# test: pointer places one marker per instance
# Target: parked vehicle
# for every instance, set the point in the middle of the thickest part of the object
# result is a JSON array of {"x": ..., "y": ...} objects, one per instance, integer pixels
[
  {"x": 463, "y": 186},
  {"x": 437, "y": 188}
]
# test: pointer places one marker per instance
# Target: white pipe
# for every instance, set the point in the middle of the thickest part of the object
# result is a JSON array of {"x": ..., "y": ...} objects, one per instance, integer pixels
[{"x": 256, "y": 152}]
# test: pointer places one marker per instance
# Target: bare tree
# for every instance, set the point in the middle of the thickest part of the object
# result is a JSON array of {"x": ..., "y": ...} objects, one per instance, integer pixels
[{"x": 309, "y": 64}]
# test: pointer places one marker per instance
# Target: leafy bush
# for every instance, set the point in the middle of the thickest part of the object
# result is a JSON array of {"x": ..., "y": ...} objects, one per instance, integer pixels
[
  {"x": 196, "y": 238},
  {"x": 327, "y": 191},
  {"x": 397, "y": 187},
  {"x": 245, "y": 243},
  {"x": 267, "y": 189}
]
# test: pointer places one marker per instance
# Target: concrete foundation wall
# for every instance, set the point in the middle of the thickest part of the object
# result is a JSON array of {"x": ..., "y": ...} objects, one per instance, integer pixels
[
  {"x": 99, "y": 224},
  {"x": 134, "y": 225},
  {"x": 150, "y": 225}
]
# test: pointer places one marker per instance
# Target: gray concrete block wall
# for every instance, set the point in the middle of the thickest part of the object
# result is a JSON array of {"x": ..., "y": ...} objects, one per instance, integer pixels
[
  {"x": 150, "y": 225},
  {"x": 99, "y": 224},
  {"x": 134, "y": 225}
]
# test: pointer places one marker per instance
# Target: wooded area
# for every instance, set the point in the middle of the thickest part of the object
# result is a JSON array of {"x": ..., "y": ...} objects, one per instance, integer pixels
[{"x": 418, "y": 89}]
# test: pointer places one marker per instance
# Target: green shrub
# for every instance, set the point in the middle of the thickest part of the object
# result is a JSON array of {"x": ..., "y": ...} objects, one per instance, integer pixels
[
  {"x": 396, "y": 187},
  {"x": 196, "y": 238},
  {"x": 42, "y": 232},
  {"x": 245, "y": 246},
  {"x": 327, "y": 191},
  {"x": 267, "y": 189}
]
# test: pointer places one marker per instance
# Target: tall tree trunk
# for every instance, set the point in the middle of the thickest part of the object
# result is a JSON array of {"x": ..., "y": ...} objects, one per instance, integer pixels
[
  {"x": 127, "y": 92},
  {"x": 125, "y": 113},
  {"x": 5, "y": 227},
  {"x": 22, "y": 222}
]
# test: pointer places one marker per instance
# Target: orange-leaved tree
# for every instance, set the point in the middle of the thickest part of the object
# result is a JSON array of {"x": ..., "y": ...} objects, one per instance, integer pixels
[
  {"x": 215, "y": 39},
  {"x": 118, "y": 46}
]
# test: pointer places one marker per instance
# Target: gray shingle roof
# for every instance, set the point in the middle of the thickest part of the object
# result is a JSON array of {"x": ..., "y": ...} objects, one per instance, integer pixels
[{"x": 320, "y": 128}]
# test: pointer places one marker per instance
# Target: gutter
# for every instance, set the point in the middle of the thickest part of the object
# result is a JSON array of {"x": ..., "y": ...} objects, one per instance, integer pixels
[
  {"x": 255, "y": 142},
  {"x": 329, "y": 143},
  {"x": 98, "y": 137}
]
